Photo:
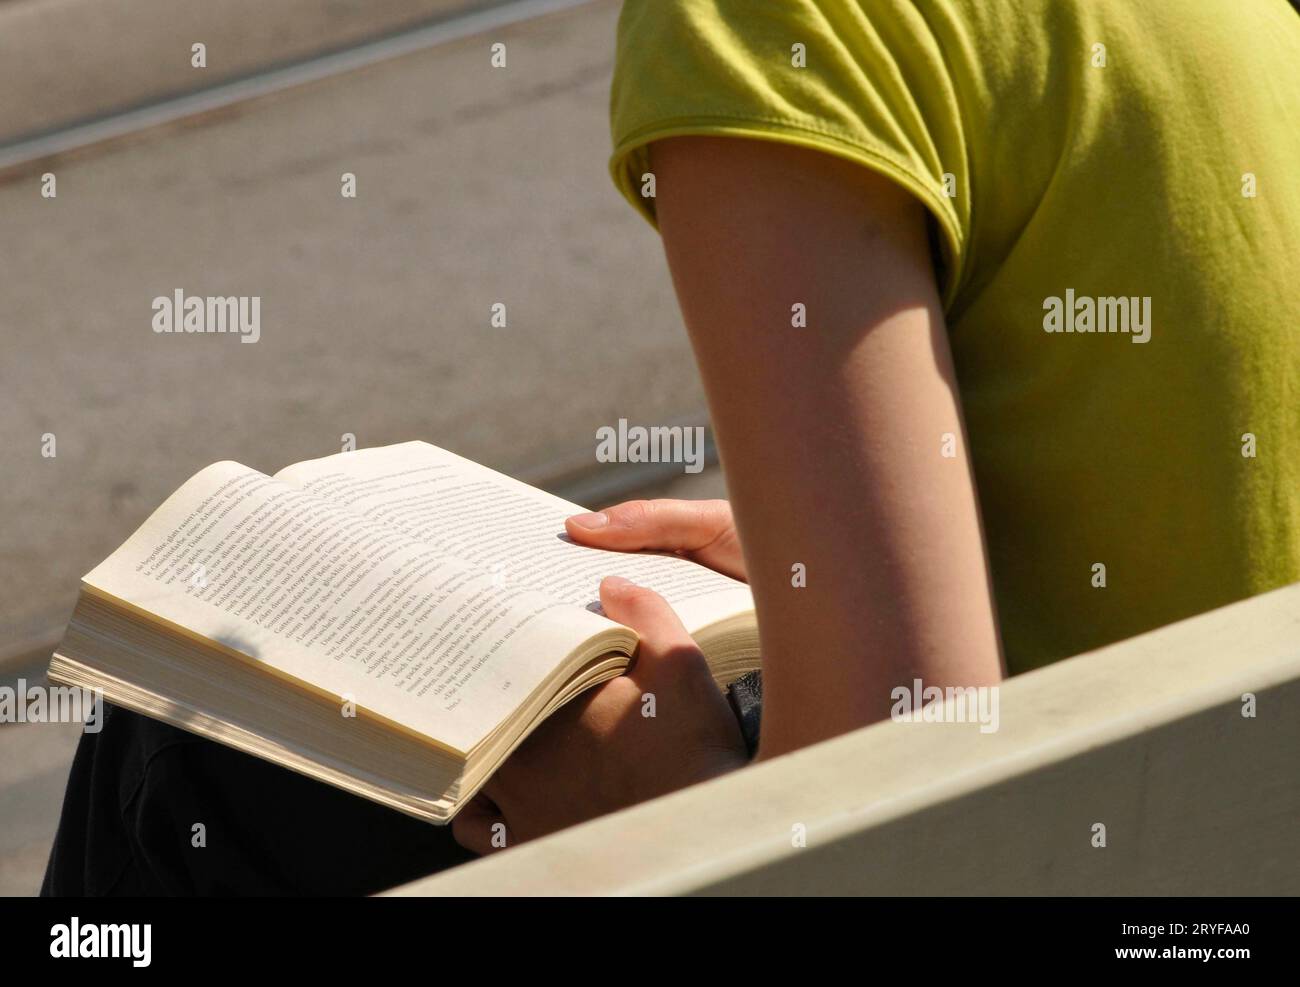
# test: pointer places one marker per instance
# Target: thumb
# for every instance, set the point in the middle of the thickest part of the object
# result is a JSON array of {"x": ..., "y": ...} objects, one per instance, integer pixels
[{"x": 665, "y": 642}]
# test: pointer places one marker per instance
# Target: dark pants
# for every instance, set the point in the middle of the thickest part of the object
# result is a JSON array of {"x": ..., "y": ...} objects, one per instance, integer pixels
[{"x": 140, "y": 790}]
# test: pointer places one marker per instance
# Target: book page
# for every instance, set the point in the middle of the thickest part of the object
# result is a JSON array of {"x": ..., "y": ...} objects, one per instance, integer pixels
[
  {"x": 344, "y": 603},
  {"x": 510, "y": 529}
]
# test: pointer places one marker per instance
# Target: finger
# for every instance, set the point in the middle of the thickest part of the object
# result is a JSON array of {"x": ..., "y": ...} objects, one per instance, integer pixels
[
  {"x": 666, "y": 525},
  {"x": 479, "y": 827},
  {"x": 664, "y": 639}
]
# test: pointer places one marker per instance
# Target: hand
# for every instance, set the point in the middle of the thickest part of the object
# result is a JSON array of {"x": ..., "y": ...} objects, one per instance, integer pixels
[
  {"x": 700, "y": 530},
  {"x": 599, "y": 752}
]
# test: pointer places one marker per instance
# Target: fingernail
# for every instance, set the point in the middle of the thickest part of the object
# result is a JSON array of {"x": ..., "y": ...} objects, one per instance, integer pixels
[
  {"x": 590, "y": 521},
  {"x": 618, "y": 582}
]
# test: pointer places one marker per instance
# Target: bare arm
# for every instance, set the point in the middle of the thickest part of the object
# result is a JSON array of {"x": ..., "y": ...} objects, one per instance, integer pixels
[{"x": 831, "y": 434}]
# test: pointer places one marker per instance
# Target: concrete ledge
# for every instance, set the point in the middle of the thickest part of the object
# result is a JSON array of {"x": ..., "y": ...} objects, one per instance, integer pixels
[
  {"x": 65, "y": 61},
  {"x": 1146, "y": 737}
]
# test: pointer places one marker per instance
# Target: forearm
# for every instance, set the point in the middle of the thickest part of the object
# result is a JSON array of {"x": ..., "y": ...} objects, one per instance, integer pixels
[
  {"x": 896, "y": 582},
  {"x": 833, "y": 433}
]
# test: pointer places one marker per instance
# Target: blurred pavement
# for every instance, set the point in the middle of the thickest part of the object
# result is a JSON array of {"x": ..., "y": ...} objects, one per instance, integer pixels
[
  {"x": 475, "y": 185},
  {"x": 62, "y": 61}
]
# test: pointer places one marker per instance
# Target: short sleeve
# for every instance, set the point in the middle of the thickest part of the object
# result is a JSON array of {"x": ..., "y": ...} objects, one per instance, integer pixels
[{"x": 863, "y": 79}]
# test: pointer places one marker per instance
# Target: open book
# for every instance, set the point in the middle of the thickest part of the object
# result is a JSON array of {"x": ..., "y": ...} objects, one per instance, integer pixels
[{"x": 393, "y": 621}]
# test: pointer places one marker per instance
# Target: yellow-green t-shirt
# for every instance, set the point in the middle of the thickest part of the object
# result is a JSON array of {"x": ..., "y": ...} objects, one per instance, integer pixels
[{"x": 1072, "y": 153}]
